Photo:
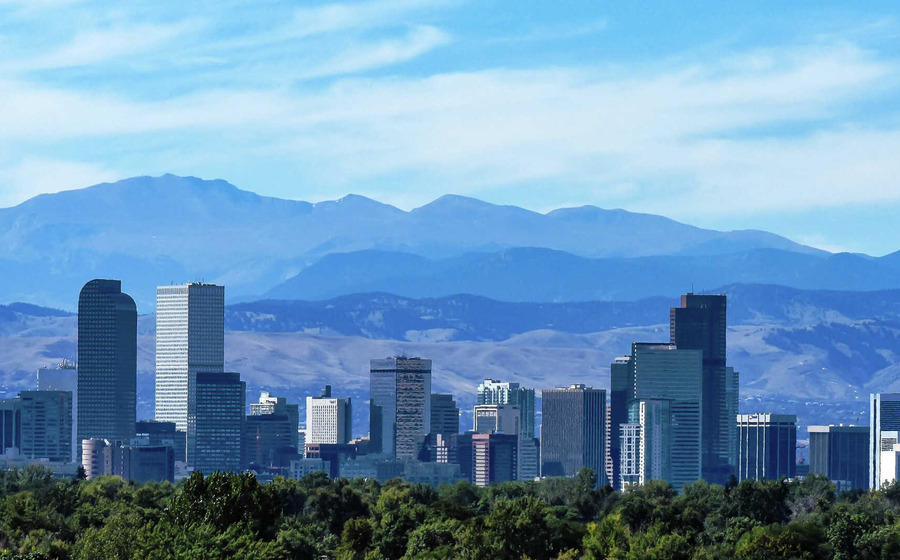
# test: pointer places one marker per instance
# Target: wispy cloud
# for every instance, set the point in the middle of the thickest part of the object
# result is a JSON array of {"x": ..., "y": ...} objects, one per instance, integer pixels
[{"x": 33, "y": 176}]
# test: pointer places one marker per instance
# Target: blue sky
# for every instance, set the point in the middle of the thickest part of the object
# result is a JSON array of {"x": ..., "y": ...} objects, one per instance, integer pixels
[{"x": 725, "y": 115}]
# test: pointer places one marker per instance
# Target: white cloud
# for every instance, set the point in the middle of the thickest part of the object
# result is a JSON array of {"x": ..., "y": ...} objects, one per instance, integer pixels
[
  {"x": 341, "y": 16},
  {"x": 378, "y": 54},
  {"x": 685, "y": 141},
  {"x": 34, "y": 176},
  {"x": 91, "y": 47}
]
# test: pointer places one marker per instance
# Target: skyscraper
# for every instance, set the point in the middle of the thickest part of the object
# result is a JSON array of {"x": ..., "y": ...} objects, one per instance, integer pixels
[
  {"x": 700, "y": 324},
  {"x": 664, "y": 372},
  {"x": 190, "y": 337},
  {"x": 841, "y": 453},
  {"x": 215, "y": 422},
  {"x": 494, "y": 458},
  {"x": 444, "y": 415},
  {"x": 621, "y": 381},
  {"x": 573, "y": 430},
  {"x": 494, "y": 392},
  {"x": 768, "y": 446},
  {"x": 270, "y": 404},
  {"x": 400, "y": 404},
  {"x": 328, "y": 419},
  {"x": 64, "y": 377},
  {"x": 107, "y": 362},
  {"x": 502, "y": 418},
  {"x": 884, "y": 422},
  {"x": 46, "y": 425}
]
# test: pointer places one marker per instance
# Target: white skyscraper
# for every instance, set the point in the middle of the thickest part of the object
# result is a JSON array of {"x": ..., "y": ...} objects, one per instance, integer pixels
[
  {"x": 328, "y": 420},
  {"x": 190, "y": 337}
]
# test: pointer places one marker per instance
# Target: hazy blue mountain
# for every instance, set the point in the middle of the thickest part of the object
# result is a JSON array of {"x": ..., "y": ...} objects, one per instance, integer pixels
[
  {"x": 152, "y": 230},
  {"x": 544, "y": 275}
]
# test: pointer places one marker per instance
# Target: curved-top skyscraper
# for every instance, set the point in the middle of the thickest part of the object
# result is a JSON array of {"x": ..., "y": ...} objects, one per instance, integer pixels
[{"x": 107, "y": 362}]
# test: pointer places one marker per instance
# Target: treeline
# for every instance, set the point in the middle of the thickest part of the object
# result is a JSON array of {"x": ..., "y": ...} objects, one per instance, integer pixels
[{"x": 233, "y": 516}]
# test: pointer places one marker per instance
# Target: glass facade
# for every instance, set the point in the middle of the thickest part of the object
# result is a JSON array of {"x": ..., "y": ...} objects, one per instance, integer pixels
[
  {"x": 884, "y": 416},
  {"x": 841, "y": 453},
  {"x": 700, "y": 324},
  {"x": 767, "y": 446},
  {"x": 215, "y": 423},
  {"x": 573, "y": 431},
  {"x": 400, "y": 404},
  {"x": 107, "y": 362}
]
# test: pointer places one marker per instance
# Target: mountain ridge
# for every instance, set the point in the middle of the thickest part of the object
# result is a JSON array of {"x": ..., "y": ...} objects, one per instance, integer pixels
[{"x": 151, "y": 230}]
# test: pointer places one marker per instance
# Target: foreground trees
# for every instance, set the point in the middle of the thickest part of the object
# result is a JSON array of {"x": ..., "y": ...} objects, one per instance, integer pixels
[{"x": 233, "y": 516}]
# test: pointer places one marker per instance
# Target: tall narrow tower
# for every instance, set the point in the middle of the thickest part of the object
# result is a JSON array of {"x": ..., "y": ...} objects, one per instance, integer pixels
[
  {"x": 107, "y": 362},
  {"x": 700, "y": 324},
  {"x": 190, "y": 338},
  {"x": 400, "y": 404}
]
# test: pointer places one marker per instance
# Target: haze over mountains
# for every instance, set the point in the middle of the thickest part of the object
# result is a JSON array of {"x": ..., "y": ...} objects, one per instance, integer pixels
[{"x": 155, "y": 230}]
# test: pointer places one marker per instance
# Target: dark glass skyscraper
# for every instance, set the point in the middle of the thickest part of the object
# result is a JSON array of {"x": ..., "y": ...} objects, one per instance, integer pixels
[
  {"x": 767, "y": 446},
  {"x": 444, "y": 415},
  {"x": 400, "y": 404},
  {"x": 841, "y": 453},
  {"x": 107, "y": 362},
  {"x": 215, "y": 422},
  {"x": 573, "y": 431},
  {"x": 700, "y": 324}
]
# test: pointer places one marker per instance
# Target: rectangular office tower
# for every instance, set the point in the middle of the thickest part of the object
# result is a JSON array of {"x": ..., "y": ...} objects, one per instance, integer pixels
[
  {"x": 841, "y": 453},
  {"x": 767, "y": 446},
  {"x": 215, "y": 422},
  {"x": 46, "y": 425},
  {"x": 64, "y": 377},
  {"x": 700, "y": 324},
  {"x": 884, "y": 423},
  {"x": 107, "y": 362},
  {"x": 400, "y": 405},
  {"x": 444, "y": 415},
  {"x": 328, "y": 419},
  {"x": 621, "y": 385},
  {"x": 664, "y": 372},
  {"x": 573, "y": 431},
  {"x": 494, "y": 392},
  {"x": 645, "y": 442},
  {"x": 270, "y": 404},
  {"x": 190, "y": 338}
]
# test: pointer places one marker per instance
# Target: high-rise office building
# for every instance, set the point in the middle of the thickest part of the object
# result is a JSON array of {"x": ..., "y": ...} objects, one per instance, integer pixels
[
  {"x": 700, "y": 324},
  {"x": 270, "y": 404},
  {"x": 63, "y": 377},
  {"x": 107, "y": 362},
  {"x": 732, "y": 399},
  {"x": 190, "y": 338},
  {"x": 841, "y": 453},
  {"x": 646, "y": 442},
  {"x": 328, "y": 419},
  {"x": 767, "y": 446},
  {"x": 664, "y": 372},
  {"x": 573, "y": 430},
  {"x": 158, "y": 433},
  {"x": 444, "y": 415},
  {"x": 884, "y": 422},
  {"x": 46, "y": 425},
  {"x": 10, "y": 426},
  {"x": 137, "y": 463},
  {"x": 494, "y": 392},
  {"x": 621, "y": 381},
  {"x": 501, "y": 418},
  {"x": 400, "y": 405},
  {"x": 215, "y": 422},
  {"x": 266, "y": 436},
  {"x": 494, "y": 458}
]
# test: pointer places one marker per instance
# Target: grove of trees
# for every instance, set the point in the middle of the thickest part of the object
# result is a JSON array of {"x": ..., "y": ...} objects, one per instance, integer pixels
[{"x": 234, "y": 516}]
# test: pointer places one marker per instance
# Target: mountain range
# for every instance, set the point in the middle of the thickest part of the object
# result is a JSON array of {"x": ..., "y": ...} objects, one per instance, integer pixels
[{"x": 149, "y": 231}]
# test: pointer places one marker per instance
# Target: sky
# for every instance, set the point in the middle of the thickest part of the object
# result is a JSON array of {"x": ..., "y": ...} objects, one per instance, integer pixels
[{"x": 783, "y": 116}]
